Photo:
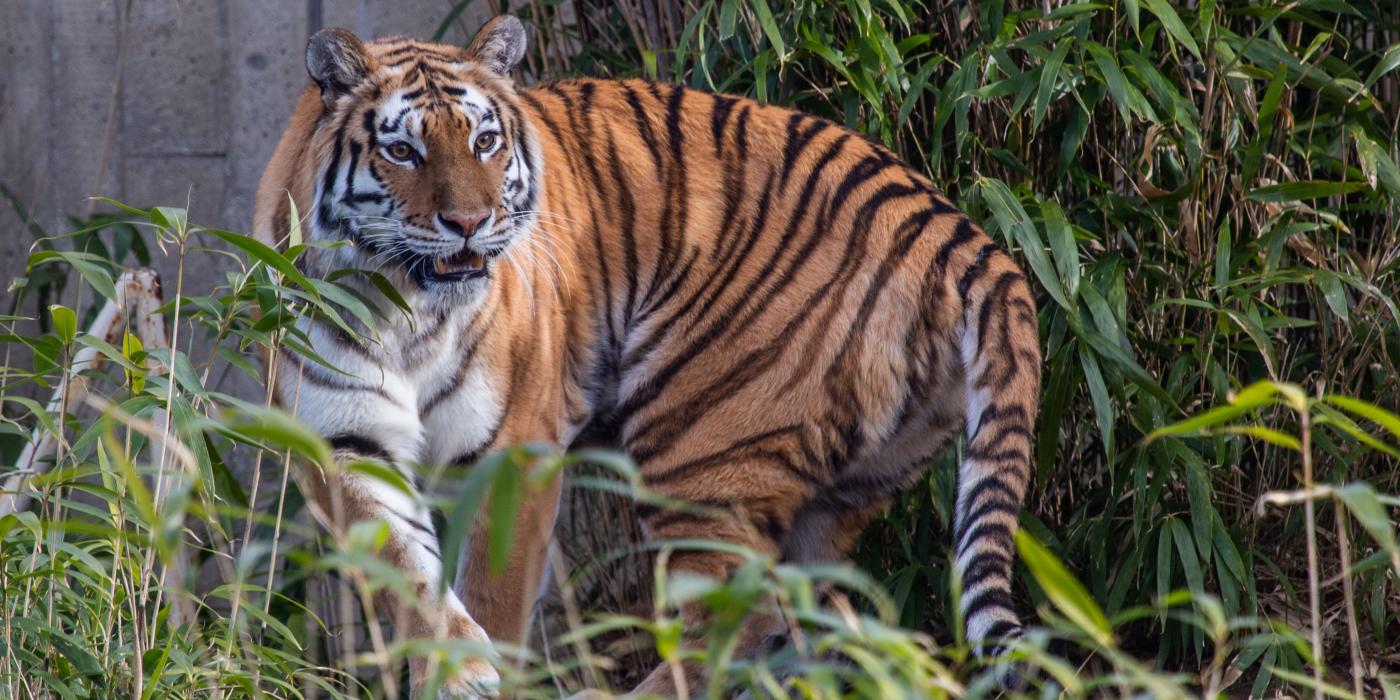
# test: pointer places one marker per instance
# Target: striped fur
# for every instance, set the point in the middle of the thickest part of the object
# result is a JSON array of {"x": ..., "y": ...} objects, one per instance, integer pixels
[{"x": 772, "y": 315}]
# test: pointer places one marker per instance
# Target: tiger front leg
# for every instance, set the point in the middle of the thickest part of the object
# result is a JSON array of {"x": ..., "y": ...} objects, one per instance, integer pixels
[
  {"x": 503, "y": 601},
  {"x": 366, "y": 421},
  {"x": 411, "y": 547}
]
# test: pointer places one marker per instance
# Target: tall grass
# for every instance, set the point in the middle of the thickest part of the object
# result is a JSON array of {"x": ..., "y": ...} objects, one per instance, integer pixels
[{"x": 1206, "y": 196}]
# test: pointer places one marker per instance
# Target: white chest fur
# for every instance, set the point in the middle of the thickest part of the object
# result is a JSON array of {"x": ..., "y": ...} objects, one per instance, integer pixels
[{"x": 420, "y": 391}]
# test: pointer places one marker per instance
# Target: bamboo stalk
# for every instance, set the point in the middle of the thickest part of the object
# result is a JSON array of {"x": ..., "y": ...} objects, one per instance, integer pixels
[
  {"x": 1349, "y": 597},
  {"x": 1310, "y": 530}
]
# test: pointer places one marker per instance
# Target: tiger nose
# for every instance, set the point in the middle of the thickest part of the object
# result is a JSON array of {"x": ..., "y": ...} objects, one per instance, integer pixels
[{"x": 461, "y": 224}]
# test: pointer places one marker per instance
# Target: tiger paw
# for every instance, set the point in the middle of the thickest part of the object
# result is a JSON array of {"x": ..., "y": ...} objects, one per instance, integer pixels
[
  {"x": 472, "y": 685},
  {"x": 473, "y": 679},
  {"x": 591, "y": 694}
]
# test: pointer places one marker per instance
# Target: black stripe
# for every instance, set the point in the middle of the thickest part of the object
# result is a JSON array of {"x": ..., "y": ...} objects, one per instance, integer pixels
[
  {"x": 719, "y": 117},
  {"x": 797, "y": 141},
  {"x": 995, "y": 411},
  {"x": 733, "y": 453},
  {"x": 464, "y": 365},
  {"x": 746, "y": 368},
  {"x": 735, "y": 259},
  {"x": 721, "y": 324},
  {"x": 985, "y": 599},
  {"x": 414, "y": 523},
  {"x": 982, "y": 533},
  {"x": 734, "y": 189},
  {"x": 1009, "y": 508},
  {"x": 323, "y": 209},
  {"x": 468, "y": 458},
  {"x": 676, "y": 208},
  {"x": 658, "y": 521},
  {"x": 962, "y": 233},
  {"x": 557, "y": 130},
  {"x": 982, "y": 449},
  {"x": 984, "y": 565},
  {"x": 800, "y": 209},
  {"x": 1002, "y": 629},
  {"x": 627, "y": 213},
  {"x": 1012, "y": 457},
  {"x": 857, "y": 175},
  {"x": 969, "y": 496},
  {"x": 860, "y": 489},
  {"x": 523, "y": 146},
  {"x": 319, "y": 376},
  {"x": 360, "y": 445},
  {"x": 653, "y": 388},
  {"x": 905, "y": 235},
  {"x": 421, "y": 50},
  {"x": 975, "y": 270},
  {"x": 643, "y": 126},
  {"x": 392, "y": 125},
  {"x": 669, "y": 291},
  {"x": 995, "y": 294},
  {"x": 581, "y": 129}
]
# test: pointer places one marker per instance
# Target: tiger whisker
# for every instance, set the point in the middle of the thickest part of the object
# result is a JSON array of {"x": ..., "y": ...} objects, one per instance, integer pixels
[
  {"x": 525, "y": 279},
  {"x": 536, "y": 265}
]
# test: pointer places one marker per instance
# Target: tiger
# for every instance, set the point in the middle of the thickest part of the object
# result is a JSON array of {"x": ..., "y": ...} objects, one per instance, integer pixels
[{"x": 771, "y": 315}]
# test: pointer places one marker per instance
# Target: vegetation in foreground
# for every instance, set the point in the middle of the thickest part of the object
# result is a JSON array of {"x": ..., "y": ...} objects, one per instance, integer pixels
[{"x": 1206, "y": 196}]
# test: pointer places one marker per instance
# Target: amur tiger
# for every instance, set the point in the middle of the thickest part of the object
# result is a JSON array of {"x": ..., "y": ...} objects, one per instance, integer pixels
[{"x": 770, "y": 314}]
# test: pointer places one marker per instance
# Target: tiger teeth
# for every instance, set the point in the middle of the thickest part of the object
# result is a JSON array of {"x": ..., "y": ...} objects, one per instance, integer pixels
[{"x": 440, "y": 266}]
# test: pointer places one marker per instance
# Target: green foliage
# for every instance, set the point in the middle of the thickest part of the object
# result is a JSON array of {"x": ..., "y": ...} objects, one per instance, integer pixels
[{"x": 1204, "y": 193}]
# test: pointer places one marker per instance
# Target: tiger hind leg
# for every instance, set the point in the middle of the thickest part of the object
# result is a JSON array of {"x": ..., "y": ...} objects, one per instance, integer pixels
[{"x": 758, "y": 532}]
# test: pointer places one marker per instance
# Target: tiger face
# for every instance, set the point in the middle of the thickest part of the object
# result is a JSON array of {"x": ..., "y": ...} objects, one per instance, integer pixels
[{"x": 430, "y": 171}]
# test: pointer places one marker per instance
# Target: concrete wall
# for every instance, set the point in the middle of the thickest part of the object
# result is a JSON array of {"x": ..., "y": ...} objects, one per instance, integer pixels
[{"x": 174, "y": 101}]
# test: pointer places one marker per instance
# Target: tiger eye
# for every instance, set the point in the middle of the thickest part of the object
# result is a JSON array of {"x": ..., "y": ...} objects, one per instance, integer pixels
[
  {"x": 399, "y": 150},
  {"x": 484, "y": 142}
]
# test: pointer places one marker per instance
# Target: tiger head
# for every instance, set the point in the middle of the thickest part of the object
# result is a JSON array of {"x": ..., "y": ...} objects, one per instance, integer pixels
[{"x": 425, "y": 164}]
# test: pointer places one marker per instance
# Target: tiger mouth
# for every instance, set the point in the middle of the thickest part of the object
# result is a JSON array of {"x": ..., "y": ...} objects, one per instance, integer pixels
[{"x": 464, "y": 264}]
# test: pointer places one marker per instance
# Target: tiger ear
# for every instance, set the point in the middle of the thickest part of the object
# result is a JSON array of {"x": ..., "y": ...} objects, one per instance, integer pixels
[
  {"x": 337, "y": 61},
  {"x": 499, "y": 45}
]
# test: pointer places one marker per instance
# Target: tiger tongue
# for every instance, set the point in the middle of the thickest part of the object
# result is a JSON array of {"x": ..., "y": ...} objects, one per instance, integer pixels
[{"x": 465, "y": 260}]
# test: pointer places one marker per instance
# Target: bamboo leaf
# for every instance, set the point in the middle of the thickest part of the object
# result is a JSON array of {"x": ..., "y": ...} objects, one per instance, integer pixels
[
  {"x": 266, "y": 255},
  {"x": 1062, "y": 244},
  {"x": 91, "y": 267},
  {"x": 728, "y": 13},
  {"x": 1185, "y": 547},
  {"x": 769, "y": 25},
  {"x": 1268, "y": 435},
  {"x": 1049, "y": 77},
  {"x": 1113, "y": 77},
  {"x": 1016, "y": 225},
  {"x": 1067, "y": 594},
  {"x": 65, "y": 322},
  {"x": 1369, "y": 411},
  {"x": 1303, "y": 189},
  {"x": 1363, "y": 505},
  {"x": 463, "y": 514},
  {"x": 1171, "y": 21},
  {"x": 1268, "y": 109},
  {"x": 506, "y": 493},
  {"x": 1388, "y": 63}
]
